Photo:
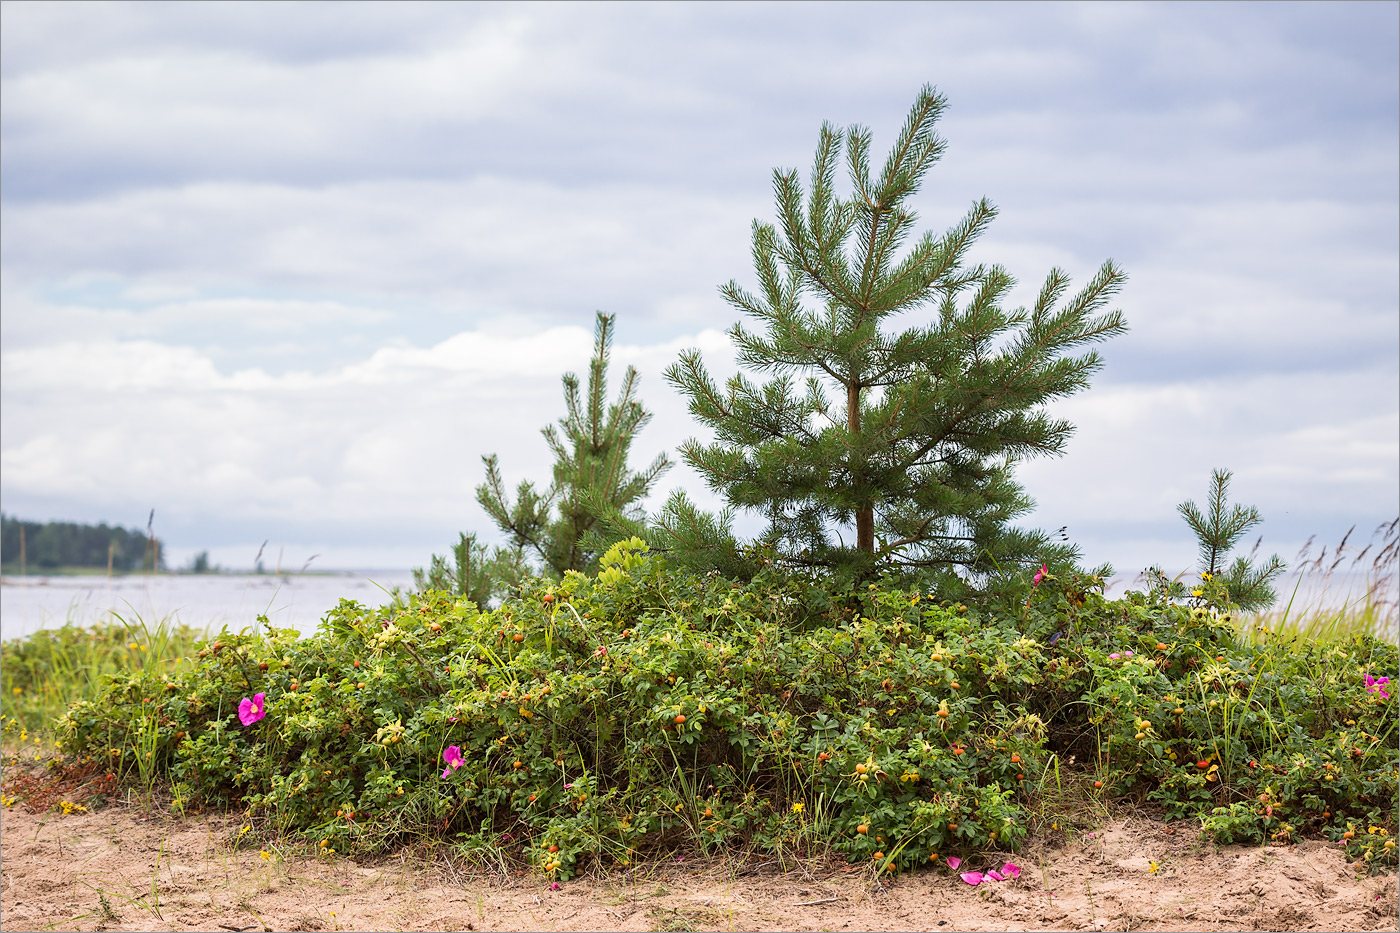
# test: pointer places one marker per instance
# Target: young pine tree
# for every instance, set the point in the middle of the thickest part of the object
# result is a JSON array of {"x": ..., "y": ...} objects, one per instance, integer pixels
[
  {"x": 475, "y": 571},
  {"x": 592, "y": 501},
  {"x": 591, "y": 476},
  {"x": 870, "y": 447},
  {"x": 1218, "y": 529}
]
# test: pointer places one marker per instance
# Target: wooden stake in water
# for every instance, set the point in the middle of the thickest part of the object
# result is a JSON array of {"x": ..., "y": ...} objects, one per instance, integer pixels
[{"x": 111, "y": 550}]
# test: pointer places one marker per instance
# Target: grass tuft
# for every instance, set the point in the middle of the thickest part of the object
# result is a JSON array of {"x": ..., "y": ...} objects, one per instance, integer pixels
[{"x": 1316, "y": 611}]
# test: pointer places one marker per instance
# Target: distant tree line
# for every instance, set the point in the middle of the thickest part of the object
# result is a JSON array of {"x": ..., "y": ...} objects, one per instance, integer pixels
[{"x": 51, "y": 545}]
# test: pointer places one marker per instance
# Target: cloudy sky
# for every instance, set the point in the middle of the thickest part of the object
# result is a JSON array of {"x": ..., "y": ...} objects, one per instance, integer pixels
[{"x": 285, "y": 272}]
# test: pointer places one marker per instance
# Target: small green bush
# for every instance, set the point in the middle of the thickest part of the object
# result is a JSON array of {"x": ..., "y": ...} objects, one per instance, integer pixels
[{"x": 643, "y": 710}]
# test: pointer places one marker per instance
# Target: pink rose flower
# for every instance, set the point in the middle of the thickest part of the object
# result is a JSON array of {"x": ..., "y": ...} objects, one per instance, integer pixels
[{"x": 250, "y": 711}]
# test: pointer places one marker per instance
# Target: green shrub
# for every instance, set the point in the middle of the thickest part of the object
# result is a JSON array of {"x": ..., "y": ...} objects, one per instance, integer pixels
[{"x": 644, "y": 710}]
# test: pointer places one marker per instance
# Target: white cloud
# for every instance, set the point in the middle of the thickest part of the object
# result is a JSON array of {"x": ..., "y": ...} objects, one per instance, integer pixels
[
  {"x": 1314, "y": 452},
  {"x": 394, "y": 439},
  {"x": 303, "y": 264},
  {"x": 110, "y": 367},
  {"x": 229, "y": 108},
  {"x": 491, "y": 245}
]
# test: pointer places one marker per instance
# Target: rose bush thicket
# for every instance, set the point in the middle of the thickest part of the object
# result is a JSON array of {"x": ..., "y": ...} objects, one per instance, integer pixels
[{"x": 593, "y": 718}]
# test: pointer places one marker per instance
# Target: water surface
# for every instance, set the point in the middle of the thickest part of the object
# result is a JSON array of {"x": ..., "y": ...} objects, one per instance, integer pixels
[
  {"x": 212, "y": 601},
  {"x": 205, "y": 601}
]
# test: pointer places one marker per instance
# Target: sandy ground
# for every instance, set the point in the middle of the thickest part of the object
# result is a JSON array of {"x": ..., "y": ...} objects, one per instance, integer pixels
[{"x": 121, "y": 868}]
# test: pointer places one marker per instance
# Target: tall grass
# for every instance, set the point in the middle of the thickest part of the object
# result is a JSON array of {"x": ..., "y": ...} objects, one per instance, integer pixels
[
  {"x": 1314, "y": 610},
  {"x": 43, "y": 674}
]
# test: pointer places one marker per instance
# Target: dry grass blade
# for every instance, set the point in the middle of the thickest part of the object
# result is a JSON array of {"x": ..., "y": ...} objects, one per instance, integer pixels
[{"x": 1325, "y": 607}]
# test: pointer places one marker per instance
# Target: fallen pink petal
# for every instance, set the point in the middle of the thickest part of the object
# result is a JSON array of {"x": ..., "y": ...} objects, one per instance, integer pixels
[
  {"x": 995, "y": 875},
  {"x": 954, "y": 862},
  {"x": 1011, "y": 870},
  {"x": 973, "y": 877}
]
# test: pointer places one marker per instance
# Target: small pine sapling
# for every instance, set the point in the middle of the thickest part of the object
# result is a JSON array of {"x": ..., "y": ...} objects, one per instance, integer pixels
[
  {"x": 592, "y": 501},
  {"x": 1218, "y": 529},
  {"x": 591, "y": 476}
]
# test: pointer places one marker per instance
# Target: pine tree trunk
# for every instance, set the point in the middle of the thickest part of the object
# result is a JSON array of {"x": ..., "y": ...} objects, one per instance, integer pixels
[
  {"x": 865, "y": 529},
  {"x": 865, "y": 511}
]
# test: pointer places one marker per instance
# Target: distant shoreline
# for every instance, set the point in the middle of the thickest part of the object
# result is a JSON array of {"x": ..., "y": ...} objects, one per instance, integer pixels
[{"x": 13, "y": 578}]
